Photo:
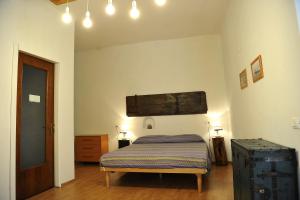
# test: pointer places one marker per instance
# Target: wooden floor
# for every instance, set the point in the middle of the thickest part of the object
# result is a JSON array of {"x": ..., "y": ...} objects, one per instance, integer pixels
[{"x": 90, "y": 185}]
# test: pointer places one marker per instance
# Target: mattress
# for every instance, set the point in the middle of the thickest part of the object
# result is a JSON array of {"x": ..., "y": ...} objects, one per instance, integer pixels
[{"x": 159, "y": 156}]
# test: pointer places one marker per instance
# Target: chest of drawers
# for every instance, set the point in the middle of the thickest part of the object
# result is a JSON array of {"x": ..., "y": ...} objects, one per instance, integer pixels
[{"x": 90, "y": 148}]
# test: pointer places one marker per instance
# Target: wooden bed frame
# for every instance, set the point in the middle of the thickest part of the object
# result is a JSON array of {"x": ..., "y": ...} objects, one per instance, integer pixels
[{"x": 197, "y": 171}]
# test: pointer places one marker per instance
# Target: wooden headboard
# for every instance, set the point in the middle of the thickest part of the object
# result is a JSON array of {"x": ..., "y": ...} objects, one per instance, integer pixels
[{"x": 185, "y": 103}]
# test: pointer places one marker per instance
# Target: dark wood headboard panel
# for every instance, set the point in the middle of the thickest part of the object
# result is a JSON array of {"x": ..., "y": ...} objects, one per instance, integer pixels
[{"x": 166, "y": 104}]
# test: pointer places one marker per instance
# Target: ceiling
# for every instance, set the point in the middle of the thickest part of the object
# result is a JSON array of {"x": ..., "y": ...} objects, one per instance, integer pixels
[{"x": 177, "y": 19}]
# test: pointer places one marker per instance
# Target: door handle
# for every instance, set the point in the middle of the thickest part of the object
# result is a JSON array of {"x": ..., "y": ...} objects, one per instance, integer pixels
[{"x": 51, "y": 128}]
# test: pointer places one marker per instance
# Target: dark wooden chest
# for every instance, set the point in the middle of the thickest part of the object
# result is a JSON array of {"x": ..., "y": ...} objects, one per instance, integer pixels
[{"x": 263, "y": 170}]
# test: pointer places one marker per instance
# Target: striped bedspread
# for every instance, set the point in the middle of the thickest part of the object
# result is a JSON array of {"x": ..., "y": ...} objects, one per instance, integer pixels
[{"x": 159, "y": 155}]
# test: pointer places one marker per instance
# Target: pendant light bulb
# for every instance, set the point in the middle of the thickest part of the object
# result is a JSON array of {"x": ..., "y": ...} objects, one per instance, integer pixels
[
  {"x": 110, "y": 8},
  {"x": 87, "y": 22},
  {"x": 134, "y": 12},
  {"x": 160, "y": 2},
  {"x": 67, "y": 17}
]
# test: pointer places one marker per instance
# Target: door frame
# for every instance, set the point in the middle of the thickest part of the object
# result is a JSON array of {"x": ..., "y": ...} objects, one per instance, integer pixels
[{"x": 13, "y": 116}]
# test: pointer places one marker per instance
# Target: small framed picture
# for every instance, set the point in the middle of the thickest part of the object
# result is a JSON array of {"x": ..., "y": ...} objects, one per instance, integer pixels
[
  {"x": 257, "y": 69},
  {"x": 243, "y": 79}
]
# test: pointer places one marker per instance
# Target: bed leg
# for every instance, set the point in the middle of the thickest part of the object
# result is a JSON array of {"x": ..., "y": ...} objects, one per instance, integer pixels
[
  {"x": 107, "y": 179},
  {"x": 199, "y": 182}
]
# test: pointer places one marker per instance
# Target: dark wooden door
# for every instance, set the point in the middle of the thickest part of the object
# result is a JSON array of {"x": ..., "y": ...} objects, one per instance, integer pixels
[{"x": 35, "y": 126}]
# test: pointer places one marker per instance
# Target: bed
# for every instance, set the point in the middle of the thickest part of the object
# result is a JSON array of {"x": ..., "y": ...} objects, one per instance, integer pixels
[{"x": 186, "y": 154}]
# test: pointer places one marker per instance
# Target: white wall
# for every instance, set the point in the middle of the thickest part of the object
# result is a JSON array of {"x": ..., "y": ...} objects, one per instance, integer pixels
[
  {"x": 35, "y": 27},
  {"x": 103, "y": 78},
  {"x": 265, "y": 108}
]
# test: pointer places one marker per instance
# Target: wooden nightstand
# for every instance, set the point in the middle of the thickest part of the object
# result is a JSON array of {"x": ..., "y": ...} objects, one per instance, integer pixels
[
  {"x": 123, "y": 143},
  {"x": 220, "y": 151}
]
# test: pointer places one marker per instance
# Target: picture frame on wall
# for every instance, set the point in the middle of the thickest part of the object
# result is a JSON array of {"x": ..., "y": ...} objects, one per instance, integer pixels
[
  {"x": 243, "y": 79},
  {"x": 257, "y": 69}
]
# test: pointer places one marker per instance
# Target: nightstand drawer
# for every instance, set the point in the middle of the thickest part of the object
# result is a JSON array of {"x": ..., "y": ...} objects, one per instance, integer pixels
[
  {"x": 88, "y": 148},
  {"x": 84, "y": 157},
  {"x": 87, "y": 141}
]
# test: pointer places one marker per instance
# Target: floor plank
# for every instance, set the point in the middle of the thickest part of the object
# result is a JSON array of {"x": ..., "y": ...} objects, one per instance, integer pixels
[{"x": 90, "y": 185}]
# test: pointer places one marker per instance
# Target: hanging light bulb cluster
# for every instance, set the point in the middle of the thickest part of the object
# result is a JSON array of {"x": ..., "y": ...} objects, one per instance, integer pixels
[{"x": 110, "y": 10}]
